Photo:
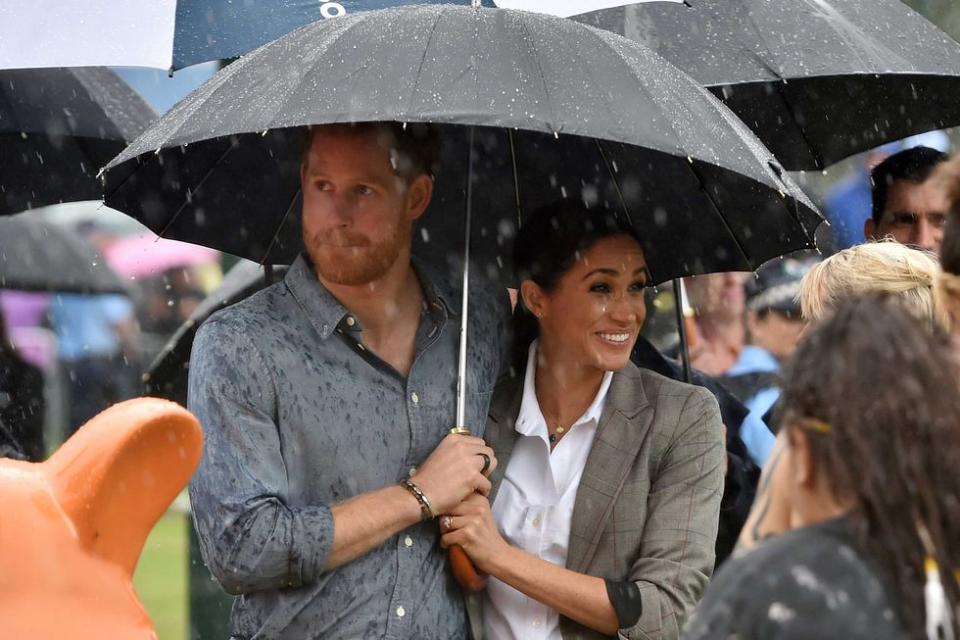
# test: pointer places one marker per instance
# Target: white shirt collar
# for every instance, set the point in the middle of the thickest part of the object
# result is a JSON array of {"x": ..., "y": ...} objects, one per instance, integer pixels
[{"x": 530, "y": 420}]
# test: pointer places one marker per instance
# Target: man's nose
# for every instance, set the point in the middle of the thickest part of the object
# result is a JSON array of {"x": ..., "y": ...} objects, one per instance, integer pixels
[{"x": 341, "y": 209}]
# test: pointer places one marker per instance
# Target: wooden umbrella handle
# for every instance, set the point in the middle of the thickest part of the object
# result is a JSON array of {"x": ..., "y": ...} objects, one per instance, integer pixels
[{"x": 463, "y": 570}]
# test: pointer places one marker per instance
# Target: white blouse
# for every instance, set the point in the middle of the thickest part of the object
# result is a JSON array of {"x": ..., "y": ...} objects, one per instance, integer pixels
[{"x": 534, "y": 506}]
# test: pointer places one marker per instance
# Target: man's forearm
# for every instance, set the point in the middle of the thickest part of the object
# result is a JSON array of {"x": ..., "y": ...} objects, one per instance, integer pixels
[{"x": 364, "y": 522}]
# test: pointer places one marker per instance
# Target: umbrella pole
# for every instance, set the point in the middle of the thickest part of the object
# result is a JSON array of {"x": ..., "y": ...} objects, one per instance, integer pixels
[
  {"x": 678, "y": 296},
  {"x": 268, "y": 275},
  {"x": 463, "y": 569}
]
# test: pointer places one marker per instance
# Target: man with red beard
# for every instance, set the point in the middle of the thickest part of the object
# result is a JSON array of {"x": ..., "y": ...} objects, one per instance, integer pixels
[{"x": 326, "y": 402}]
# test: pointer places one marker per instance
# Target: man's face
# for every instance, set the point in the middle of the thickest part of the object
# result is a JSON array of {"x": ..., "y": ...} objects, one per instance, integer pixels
[
  {"x": 720, "y": 295},
  {"x": 776, "y": 332},
  {"x": 914, "y": 215},
  {"x": 357, "y": 212}
]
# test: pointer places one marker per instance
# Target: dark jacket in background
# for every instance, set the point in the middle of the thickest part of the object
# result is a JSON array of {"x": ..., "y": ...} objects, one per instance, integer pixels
[
  {"x": 742, "y": 474},
  {"x": 813, "y": 582},
  {"x": 21, "y": 407}
]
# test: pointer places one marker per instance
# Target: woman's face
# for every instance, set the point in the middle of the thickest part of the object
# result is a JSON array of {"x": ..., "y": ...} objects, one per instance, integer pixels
[{"x": 595, "y": 313}]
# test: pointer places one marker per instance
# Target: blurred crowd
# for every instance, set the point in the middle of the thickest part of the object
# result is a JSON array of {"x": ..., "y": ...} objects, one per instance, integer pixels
[{"x": 68, "y": 356}]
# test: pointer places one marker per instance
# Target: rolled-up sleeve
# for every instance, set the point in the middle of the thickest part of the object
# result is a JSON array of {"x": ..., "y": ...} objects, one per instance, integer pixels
[
  {"x": 251, "y": 539},
  {"x": 681, "y": 527}
]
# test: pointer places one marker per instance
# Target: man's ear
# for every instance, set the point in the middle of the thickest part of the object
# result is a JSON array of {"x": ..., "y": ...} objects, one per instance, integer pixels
[
  {"x": 869, "y": 228},
  {"x": 533, "y": 297},
  {"x": 419, "y": 193}
]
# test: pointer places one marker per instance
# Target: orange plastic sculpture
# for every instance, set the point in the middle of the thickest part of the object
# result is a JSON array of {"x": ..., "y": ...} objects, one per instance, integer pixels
[{"x": 72, "y": 528}]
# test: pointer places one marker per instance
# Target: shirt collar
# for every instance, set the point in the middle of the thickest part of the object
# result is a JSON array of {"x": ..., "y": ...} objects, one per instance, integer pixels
[
  {"x": 326, "y": 313},
  {"x": 530, "y": 420}
]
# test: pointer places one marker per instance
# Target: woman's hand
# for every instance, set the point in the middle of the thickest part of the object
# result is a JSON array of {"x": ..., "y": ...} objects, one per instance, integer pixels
[{"x": 471, "y": 525}]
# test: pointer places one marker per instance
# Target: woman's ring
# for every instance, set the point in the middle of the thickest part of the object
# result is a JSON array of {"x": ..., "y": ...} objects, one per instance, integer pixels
[
  {"x": 445, "y": 522},
  {"x": 486, "y": 462}
]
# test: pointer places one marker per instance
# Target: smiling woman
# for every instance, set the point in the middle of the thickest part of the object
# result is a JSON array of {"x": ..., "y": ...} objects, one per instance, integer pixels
[{"x": 598, "y": 459}]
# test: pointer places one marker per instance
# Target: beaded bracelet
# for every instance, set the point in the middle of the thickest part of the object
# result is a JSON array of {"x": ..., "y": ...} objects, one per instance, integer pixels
[{"x": 426, "y": 511}]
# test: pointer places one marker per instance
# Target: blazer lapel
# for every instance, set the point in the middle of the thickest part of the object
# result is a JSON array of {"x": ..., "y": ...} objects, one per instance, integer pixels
[
  {"x": 501, "y": 433},
  {"x": 620, "y": 434}
]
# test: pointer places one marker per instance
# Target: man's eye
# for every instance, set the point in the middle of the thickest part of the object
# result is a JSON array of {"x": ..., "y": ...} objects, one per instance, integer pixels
[
  {"x": 938, "y": 221},
  {"x": 364, "y": 190},
  {"x": 322, "y": 185},
  {"x": 905, "y": 219}
]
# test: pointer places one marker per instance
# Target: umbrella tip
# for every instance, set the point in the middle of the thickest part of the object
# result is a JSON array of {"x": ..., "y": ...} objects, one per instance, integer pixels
[{"x": 475, "y": 4}]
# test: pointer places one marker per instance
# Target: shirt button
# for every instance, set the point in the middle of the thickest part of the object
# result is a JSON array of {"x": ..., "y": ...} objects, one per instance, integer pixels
[
  {"x": 536, "y": 623},
  {"x": 415, "y": 398},
  {"x": 536, "y": 522},
  {"x": 401, "y": 612},
  {"x": 351, "y": 321},
  {"x": 413, "y": 470},
  {"x": 408, "y": 541}
]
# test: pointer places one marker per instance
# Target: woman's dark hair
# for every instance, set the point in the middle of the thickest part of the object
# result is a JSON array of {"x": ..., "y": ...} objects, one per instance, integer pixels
[
  {"x": 884, "y": 389},
  {"x": 548, "y": 245}
]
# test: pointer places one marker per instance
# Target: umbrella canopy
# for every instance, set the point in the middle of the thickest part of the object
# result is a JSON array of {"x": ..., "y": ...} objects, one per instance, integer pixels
[
  {"x": 40, "y": 256},
  {"x": 172, "y": 34},
  {"x": 57, "y": 128},
  {"x": 817, "y": 80},
  {"x": 561, "y": 111},
  {"x": 147, "y": 254}
]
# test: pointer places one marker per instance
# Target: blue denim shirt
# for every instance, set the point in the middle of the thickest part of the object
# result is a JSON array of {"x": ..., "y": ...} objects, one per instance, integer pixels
[{"x": 297, "y": 416}]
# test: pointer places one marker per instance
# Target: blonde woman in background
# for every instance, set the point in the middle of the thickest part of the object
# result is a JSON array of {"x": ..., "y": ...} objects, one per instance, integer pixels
[{"x": 908, "y": 276}]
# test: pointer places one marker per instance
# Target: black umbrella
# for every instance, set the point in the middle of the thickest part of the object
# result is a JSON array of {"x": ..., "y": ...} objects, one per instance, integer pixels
[
  {"x": 564, "y": 107},
  {"x": 57, "y": 128},
  {"x": 41, "y": 256},
  {"x": 817, "y": 80}
]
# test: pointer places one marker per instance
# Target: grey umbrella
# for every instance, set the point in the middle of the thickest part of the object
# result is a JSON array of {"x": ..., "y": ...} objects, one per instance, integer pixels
[
  {"x": 817, "y": 80},
  {"x": 36, "y": 255},
  {"x": 57, "y": 128}
]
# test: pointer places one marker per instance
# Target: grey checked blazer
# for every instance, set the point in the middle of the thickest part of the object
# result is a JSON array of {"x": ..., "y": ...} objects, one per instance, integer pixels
[{"x": 649, "y": 500}]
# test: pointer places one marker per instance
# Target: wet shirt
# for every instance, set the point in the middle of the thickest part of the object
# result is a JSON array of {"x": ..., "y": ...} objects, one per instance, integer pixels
[
  {"x": 298, "y": 416},
  {"x": 809, "y": 583}
]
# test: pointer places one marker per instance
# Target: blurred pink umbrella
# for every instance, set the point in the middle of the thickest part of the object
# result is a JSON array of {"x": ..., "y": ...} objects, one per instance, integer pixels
[{"x": 149, "y": 255}]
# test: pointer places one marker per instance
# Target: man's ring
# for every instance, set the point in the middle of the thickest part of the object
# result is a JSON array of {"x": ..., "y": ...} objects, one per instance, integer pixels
[
  {"x": 486, "y": 462},
  {"x": 445, "y": 522}
]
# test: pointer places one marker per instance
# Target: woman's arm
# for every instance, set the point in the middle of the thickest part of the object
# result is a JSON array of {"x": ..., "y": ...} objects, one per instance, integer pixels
[
  {"x": 683, "y": 505},
  {"x": 575, "y": 595}
]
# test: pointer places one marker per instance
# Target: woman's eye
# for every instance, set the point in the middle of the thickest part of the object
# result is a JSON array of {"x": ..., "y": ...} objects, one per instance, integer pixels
[
  {"x": 600, "y": 287},
  {"x": 638, "y": 286}
]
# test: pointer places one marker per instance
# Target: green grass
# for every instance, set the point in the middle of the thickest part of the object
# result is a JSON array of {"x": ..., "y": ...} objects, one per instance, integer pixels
[{"x": 161, "y": 577}]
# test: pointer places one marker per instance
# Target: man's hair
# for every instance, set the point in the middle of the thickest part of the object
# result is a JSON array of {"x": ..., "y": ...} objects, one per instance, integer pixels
[
  {"x": 913, "y": 165},
  {"x": 875, "y": 393},
  {"x": 889, "y": 268},
  {"x": 415, "y": 146}
]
